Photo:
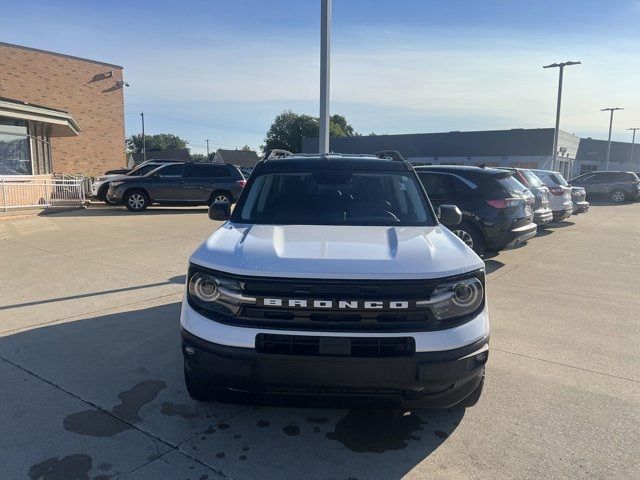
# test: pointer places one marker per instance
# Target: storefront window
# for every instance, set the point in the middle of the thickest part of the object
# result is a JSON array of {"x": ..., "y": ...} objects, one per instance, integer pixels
[{"x": 15, "y": 155}]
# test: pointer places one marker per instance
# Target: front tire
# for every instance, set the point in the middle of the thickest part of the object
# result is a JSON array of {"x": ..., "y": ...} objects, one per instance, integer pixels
[
  {"x": 136, "y": 201},
  {"x": 470, "y": 235},
  {"x": 618, "y": 196}
]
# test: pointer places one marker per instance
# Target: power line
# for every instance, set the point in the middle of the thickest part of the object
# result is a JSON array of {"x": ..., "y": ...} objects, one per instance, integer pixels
[{"x": 189, "y": 122}]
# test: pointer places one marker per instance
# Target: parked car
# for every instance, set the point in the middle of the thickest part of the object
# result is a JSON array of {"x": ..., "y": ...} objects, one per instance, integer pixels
[
  {"x": 618, "y": 186},
  {"x": 100, "y": 185},
  {"x": 578, "y": 197},
  {"x": 497, "y": 210},
  {"x": 560, "y": 200},
  {"x": 346, "y": 284},
  {"x": 542, "y": 214},
  {"x": 188, "y": 183}
]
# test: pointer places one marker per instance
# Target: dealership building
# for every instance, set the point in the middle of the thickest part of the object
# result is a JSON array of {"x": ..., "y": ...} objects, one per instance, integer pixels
[
  {"x": 58, "y": 114},
  {"x": 525, "y": 148}
]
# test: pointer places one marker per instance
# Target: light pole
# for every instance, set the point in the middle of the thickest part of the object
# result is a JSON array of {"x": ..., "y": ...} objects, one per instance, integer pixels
[
  {"x": 556, "y": 132},
  {"x": 207, "y": 149},
  {"x": 144, "y": 140},
  {"x": 325, "y": 68},
  {"x": 633, "y": 141},
  {"x": 609, "y": 109}
]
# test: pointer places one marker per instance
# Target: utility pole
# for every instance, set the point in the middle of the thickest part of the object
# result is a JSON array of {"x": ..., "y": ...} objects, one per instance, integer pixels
[
  {"x": 556, "y": 132},
  {"x": 633, "y": 141},
  {"x": 207, "y": 149},
  {"x": 325, "y": 70},
  {"x": 609, "y": 109},
  {"x": 144, "y": 140}
]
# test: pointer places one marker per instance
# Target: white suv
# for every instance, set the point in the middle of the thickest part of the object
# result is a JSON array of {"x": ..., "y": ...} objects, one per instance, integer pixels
[
  {"x": 334, "y": 276},
  {"x": 560, "y": 201}
]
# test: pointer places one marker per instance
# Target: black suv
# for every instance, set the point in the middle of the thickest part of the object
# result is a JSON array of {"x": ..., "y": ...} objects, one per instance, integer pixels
[
  {"x": 189, "y": 183},
  {"x": 617, "y": 186},
  {"x": 496, "y": 209}
]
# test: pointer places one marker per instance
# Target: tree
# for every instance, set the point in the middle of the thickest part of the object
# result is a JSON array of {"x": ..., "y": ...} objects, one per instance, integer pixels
[
  {"x": 161, "y": 141},
  {"x": 289, "y": 128},
  {"x": 246, "y": 148}
]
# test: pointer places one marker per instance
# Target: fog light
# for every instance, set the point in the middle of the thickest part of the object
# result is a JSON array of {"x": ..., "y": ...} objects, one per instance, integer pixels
[
  {"x": 481, "y": 357},
  {"x": 189, "y": 351}
]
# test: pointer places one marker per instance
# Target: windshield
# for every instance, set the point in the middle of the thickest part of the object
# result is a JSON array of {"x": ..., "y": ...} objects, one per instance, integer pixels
[
  {"x": 532, "y": 178},
  {"x": 335, "y": 198},
  {"x": 143, "y": 169}
]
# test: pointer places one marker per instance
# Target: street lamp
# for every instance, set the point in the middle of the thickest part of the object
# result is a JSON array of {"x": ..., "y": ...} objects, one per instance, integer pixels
[
  {"x": 557, "y": 130},
  {"x": 609, "y": 109},
  {"x": 325, "y": 66},
  {"x": 633, "y": 141}
]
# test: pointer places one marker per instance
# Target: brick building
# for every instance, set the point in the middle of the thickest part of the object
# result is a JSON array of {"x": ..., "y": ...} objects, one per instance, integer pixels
[{"x": 59, "y": 114}]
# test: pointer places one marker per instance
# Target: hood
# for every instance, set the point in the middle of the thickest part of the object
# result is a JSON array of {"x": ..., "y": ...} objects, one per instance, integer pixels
[
  {"x": 111, "y": 178},
  {"x": 338, "y": 252}
]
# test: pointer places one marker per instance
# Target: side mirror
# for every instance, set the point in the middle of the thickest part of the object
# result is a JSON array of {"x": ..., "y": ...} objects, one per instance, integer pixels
[
  {"x": 220, "y": 211},
  {"x": 449, "y": 215}
]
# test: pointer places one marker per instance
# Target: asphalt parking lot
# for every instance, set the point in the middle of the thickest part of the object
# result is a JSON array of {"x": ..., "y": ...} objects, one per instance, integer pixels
[{"x": 91, "y": 370}]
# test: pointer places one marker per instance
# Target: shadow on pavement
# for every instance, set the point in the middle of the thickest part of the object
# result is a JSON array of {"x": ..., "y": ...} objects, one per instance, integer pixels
[
  {"x": 129, "y": 366},
  {"x": 492, "y": 265},
  {"x": 118, "y": 210},
  {"x": 562, "y": 224}
]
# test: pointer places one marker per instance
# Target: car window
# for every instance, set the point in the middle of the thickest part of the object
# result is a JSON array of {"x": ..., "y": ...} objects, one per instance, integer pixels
[
  {"x": 221, "y": 171},
  {"x": 436, "y": 184},
  {"x": 143, "y": 169},
  {"x": 559, "y": 179},
  {"x": 335, "y": 198},
  {"x": 199, "y": 171},
  {"x": 532, "y": 179},
  {"x": 175, "y": 170},
  {"x": 509, "y": 184}
]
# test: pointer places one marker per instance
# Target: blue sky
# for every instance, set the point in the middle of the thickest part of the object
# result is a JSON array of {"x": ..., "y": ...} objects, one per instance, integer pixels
[{"x": 223, "y": 69}]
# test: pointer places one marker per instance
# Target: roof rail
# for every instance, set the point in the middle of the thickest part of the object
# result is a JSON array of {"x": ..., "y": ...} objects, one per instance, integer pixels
[
  {"x": 390, "y": 154},
  {"x": 276, "y": 153}
]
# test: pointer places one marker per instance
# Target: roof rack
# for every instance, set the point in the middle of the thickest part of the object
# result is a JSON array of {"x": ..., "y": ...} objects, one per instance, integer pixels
[
  {"x": 276, "y": 153},
  {"x": 390, "y": 154}
]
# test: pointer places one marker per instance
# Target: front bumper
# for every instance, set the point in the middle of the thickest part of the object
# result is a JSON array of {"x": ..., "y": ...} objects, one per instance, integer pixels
[
  {"x": 427, "y": 379},
  {"x": 114, "y": 195}
]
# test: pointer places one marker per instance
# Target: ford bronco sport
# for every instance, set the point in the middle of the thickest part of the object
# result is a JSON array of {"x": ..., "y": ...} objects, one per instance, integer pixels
[{"x": 334, "y": 276}]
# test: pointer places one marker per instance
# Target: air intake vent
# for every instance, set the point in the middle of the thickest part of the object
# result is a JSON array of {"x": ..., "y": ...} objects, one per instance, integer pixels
[{"x": 335, "y": 346}]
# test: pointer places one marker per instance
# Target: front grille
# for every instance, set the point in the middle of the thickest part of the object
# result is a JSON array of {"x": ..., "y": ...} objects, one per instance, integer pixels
[
  {"x": 356, "y": 319},
  {"x": 335, "y": 346}
]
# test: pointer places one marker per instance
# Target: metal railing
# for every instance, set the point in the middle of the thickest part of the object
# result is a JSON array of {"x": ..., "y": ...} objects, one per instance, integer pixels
[{"x": 42, "y": 193}]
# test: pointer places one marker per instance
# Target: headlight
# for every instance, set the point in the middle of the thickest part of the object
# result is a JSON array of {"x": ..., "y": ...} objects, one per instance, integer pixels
[
  {"x": 207, "y": 291},
  {"x": 455, "y": 298}
]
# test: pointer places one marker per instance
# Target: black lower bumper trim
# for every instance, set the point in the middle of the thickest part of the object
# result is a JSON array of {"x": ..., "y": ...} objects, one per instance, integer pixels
[{"x": 429, "y": 379}]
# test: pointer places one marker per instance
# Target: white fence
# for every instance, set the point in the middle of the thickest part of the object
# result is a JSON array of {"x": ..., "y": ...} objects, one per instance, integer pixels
[{"x": 42, "y": 193}]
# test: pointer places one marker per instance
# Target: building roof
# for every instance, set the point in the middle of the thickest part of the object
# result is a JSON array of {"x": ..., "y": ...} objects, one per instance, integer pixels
[
  {"x": 169, "y": 154},
  {"x": 596, "y": 151},
  {"x": 488, "y": 143},
  {"x": 241, "y": 158},
  {"x": 64, "y": 55},
  {"x": 61, "y": 123}
]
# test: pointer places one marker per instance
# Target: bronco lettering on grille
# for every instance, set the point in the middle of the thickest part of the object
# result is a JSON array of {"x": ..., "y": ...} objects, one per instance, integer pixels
[{"x": 334, "y": 304}]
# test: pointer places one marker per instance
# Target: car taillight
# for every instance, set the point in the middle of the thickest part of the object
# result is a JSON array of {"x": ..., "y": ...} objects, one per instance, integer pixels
[
  {"x": 557, "y": 190},
  {"x": 242, "y": 183},
  {"x": 505, "y": 202}
]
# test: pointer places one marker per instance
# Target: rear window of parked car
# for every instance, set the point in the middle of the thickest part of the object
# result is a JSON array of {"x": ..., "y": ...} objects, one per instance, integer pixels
[{"x": 532, "y": 178}]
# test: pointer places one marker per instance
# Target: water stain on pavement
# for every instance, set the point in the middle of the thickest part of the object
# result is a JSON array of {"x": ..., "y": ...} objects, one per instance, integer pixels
[
  {"x": 71, "y": 467},
  {"x": 172, "y": 409},
  {"x": 366, "y": 431},
  {"x": 291, "y": 430},
  {"x": 96, "y": 423},
  {"x": 263, "y": 424}
]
